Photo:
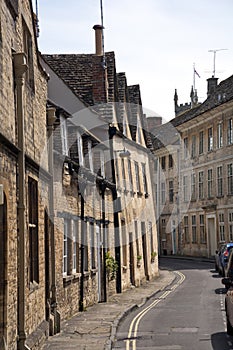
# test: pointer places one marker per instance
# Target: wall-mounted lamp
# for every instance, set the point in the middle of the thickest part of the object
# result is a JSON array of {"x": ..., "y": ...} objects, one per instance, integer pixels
[{"x": 124, "y": 153}]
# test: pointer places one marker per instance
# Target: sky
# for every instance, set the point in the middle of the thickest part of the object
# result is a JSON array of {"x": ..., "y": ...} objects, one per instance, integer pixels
[{"x": 156, "y": 42}]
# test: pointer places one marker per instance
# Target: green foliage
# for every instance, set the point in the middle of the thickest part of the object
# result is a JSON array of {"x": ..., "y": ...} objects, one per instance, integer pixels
[{"x": 111, "y": 266}]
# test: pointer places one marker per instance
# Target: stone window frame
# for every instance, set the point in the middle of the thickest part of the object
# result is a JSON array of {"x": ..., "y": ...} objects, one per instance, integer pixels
[
  {"x": 194, "y": 229},
  {"x": 210, "y": 183},
  {"x": 201, "y": 184},
  {"x": 186, "y": 146},
  {"x": 163, "y": 192},
  {"x": 230, "y": 179},
  {"x": 71, "y": 248},
  {"x": 219, "y": 181},
  {"x": 185, "y": 188},
  {"x": 170, "y": 161},
  {"x": 144, "y": 178},
  {"x": 220, "y": 135},
  {"x": 210, "y": 139},
  {"x": 33, "y": 212},
  {"x": 193, "y": 146},
  {"x": 202, "y": 229},
  {"x": 171, "y": 191},
  {"x": 221, "y": 224},
  {"x": 230, "y": 131},
  {"x": 201, "y": 142},
  {"x": 193, "y": 187},
  {"x": 28, "y": 50},
  {"x": 186, "y": 229}
]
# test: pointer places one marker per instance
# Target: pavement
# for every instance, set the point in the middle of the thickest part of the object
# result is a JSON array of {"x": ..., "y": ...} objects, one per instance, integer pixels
[{"x": 96, "y": 327}]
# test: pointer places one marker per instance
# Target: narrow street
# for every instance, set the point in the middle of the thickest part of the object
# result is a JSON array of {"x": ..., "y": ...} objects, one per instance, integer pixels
[{"x": 188, "y": 315}]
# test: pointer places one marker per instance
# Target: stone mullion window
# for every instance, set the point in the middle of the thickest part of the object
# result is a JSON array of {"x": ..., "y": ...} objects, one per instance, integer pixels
[
  {"x": 230, "y": 178},
  {"x": 76, "y": 246},
  {"x": 130, "y": 175},
  {"x": 171, "y": 192},
  {"x": 137, "y": 175},
  {"x": 186, "y": 229},
  {"x": 202, "y": 229},
  {"x": 201, "y": 184},
  {"x": 33, "y": 230},
  {"x": 194, "y": 229},
  {"x": 220, "y": 135},
  {"x": 163, "y": 193},
  {"x": 93, "y": 246},
  {"x": 123, "y": 174},
  {"x": 210, "y": 139},
  {"x": 219, "y": 181},
  {"x": 231, "y": 226},
  {"x": 136, "y": 237},
  {"x": 185, "y": 187},
  {"x": 86, "y": 248},
  {"x": 144, "y": 178},
  {"x": 210, "y": 183},
  {"x": 185, "y": 148},
  {"x": 193, "y": 150},
  {"x": 193, "y": 186},
  {"x": 229, "y": 132},
  {"x": 170, "y": 161},
  {"x": 201, "y": 142},
  {"x": 221, "y": 227}
]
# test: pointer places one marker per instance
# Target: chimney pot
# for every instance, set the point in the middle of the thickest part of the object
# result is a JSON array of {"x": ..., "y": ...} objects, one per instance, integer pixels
[{"x": 98, "y": 39}]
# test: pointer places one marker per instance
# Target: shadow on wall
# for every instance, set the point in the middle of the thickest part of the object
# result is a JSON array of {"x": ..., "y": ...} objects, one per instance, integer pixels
[{"x": 220, "y": 341}]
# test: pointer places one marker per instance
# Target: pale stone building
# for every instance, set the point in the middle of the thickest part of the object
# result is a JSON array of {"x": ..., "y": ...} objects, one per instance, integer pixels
[{"x": 195, "y": 165}]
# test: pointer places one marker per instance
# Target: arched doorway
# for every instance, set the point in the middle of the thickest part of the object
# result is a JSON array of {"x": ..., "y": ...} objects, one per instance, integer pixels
[{"x": 3, "y": 282}]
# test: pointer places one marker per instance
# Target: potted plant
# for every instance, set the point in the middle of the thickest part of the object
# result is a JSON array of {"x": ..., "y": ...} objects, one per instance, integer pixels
[
  {"x": 153, "y": 255},
  {"x": 111, "y": 266},
  {"x": 139, "y": 258}
]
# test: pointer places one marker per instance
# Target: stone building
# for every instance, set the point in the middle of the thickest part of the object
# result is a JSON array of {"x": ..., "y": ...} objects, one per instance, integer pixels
[
  {"x": 94, "y": 81},
  {"x": 24, "y": 180},
  {"x": 195, "y": 195}
]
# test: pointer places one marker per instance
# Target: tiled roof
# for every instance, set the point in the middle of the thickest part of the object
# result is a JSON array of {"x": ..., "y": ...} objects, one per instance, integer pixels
[{"x": 222, "y": 94}]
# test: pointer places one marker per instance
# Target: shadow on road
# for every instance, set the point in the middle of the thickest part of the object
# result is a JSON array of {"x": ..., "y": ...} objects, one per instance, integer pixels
[
  {"x": 220, "y": 291},
  {"x": 220, "y": 341},
  {"x": 186, "y": 263}
]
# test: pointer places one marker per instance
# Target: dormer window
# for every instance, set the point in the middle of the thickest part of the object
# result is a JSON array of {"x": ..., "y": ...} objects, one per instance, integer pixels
[{"x": 80, "y": 149}]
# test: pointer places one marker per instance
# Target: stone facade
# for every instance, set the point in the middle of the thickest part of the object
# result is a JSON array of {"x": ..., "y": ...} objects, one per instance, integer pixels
[
  {"x": 17, "y": 36},
  {"x": 194, "y": 191}
]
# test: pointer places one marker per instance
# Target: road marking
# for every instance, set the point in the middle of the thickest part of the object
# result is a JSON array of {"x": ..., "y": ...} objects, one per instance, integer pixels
[{"x": 133, "y": 329}]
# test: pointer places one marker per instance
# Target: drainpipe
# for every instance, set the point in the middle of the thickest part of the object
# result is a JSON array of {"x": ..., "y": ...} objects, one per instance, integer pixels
[
  {"x": 104, "y": 273},
  {"x": 53, "y": 302},
  {"x": 20, "y": 67},
  {"x": 81, "y": 298},
  {"x": 112, "y": 132}
]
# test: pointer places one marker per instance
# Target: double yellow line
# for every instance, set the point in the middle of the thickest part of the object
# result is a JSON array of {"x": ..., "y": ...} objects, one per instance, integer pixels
[{"x": 133, "y": 329}]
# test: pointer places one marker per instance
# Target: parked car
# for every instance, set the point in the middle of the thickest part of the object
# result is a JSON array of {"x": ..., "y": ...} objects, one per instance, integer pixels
[
  {"x": 223, "y": 257},
  {"x": 228, "y": 282}
]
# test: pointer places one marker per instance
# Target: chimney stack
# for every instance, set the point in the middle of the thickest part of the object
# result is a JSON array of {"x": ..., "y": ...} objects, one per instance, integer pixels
[
  {"x": 212, "y": 83},
  {"x": 98, "y": 39}
]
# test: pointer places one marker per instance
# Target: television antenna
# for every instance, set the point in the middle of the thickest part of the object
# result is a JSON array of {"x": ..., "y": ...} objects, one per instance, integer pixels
[{"x": 214, "y": 52}]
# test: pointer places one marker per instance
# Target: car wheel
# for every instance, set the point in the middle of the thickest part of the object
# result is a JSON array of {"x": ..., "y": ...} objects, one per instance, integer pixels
[{"x": 229, "y": 328}]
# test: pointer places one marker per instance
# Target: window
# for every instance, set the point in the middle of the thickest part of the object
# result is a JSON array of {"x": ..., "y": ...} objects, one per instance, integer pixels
[
  {"x": 151, "y": 237},
  {"x": 130, "y": 175},
  {"x": 33, "y": 230},
  {"x": 201, "y": 184},
  {"x": 230, "y": 178},
  {"x": 194, "y": 229},
  {"x": 210, "y": 183},
  {"x": 123, "y": 173},
  {"x": 85, "y": 244},
  {"x": 13, "y": 6},
  {"x": 163, "y": 229},
  {"x": 90, "y": 156},
  {"x": 185, "y": 148},
  {"x": 65, "y": 248},
  {"x": 137, "y": 177},
  {"x": 201, "y": 142},
  {"x": 92, "y": 247},
  {"x": 137, "y": 237},
  {"x": 102, "y": 163},
  {"x": 163, "y": 162},
  {"x": 63, "y": 127},
  {"x": 202, "y": 229},
  {"x": 144, "y": 178},
  {"x": 80, "y": 149},
  {"x": 210, "y": 139},
  {"x": 221, "y": 228},
  {"x": 163, "y": 193},
  {"x": 75, "y": 232},
  {"x": 186, "y": 229},
  {"x": 229, "y": 132},
  {"x": 27, "y": 48},
  {"x": 219, "y": 181},
  {"x": 124, "y": 243},
  {"x": 220, "y": 135},
  {"x": 231, "y": 226},
  {"x": 156, "y": 165},
  {"x": 171, "y": 192},
  {"x": 193, "y": 151},
  {"x": 185, "y": 187},
  {"x": 193, "y": 186},
  {"x": 170, "y": 161}
]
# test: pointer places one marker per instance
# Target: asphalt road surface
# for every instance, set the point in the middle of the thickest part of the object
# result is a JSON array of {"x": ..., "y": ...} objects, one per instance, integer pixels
[{"x": 187, "y": 315}]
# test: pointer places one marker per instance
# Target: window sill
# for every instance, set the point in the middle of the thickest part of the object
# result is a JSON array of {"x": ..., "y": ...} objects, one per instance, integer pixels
[
  {"x": 94, "y": 271},
  {"x": 124, "y": 268},
  {"x": 86, "y": 273}
]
